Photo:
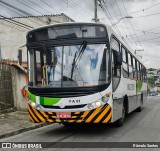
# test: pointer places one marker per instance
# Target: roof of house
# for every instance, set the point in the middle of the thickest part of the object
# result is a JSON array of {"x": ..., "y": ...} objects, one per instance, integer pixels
[
  {"x": 14, "y": 63},
  {"x": 52, "y": 15}
]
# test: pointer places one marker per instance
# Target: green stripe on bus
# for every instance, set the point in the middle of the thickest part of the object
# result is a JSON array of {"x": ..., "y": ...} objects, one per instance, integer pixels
[
  {"x": 32, "y": 97},
  {"x": 139, "y": 86},
  {"x": 51, "y": 101},
  {"x": 43, "y": 100}
]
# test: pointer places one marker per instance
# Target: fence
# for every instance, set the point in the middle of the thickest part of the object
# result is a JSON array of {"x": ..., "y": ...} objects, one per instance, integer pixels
[{"x": 6, "y": 93}]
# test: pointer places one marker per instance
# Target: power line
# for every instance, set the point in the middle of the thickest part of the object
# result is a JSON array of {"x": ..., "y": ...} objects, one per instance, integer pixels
[
  {"x": 14, "y": 10},
  {"x": 151, "y": 39},
  {"x": 40, "y": 6},
  {"x": 108, "y": 15},
  {"x": 25, "y": 4},
  {"x": 122, "y": 19},
  {"x": 19, "y": 10},
  {"x": 73, "y": 7},
  {"x": 141, "y": 10},
  {"x": 77, "y": 5},
  {"x": 131, "y": 23},
  {"x": 138, "y": 30},
  {"x": 49, "y": 5},
  {"x": 17, "y": 22},
  {"x": 13, "y": 27},
  {"x": 112, "y": 19},
  {"x": 148, "y": 15}
]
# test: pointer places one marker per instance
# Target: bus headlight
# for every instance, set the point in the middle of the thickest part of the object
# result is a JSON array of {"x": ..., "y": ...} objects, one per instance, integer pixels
[
  {"x": 33, "y": 104},
  {"x": 38, "y": 107},
  {"x": 90, "y": 106},
  {"x": 105, "y": 98},
  {"x": 98, "y": 103}
]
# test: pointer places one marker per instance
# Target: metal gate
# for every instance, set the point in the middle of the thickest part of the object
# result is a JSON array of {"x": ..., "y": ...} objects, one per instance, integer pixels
[{"x": 6, "y": 93}]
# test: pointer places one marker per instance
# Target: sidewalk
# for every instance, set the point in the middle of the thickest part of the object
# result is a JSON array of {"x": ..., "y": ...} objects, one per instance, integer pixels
[{"x": 16, "y": 122}]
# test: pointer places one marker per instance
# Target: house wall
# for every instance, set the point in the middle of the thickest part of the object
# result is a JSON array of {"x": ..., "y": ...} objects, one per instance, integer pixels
[{"x": 18, "y": 82}]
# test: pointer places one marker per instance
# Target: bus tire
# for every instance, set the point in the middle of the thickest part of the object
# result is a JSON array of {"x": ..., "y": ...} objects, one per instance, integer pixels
[
  {"x": 66, "y": 124},
  {"x": 120, "y": 122}
]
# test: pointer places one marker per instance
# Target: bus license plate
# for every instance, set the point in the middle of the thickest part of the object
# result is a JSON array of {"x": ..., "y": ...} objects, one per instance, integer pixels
[{"x": 63, "y": 115}]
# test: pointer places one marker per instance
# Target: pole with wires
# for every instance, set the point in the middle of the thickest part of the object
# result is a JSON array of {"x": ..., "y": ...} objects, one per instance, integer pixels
[{"x": 95, "y": 11}]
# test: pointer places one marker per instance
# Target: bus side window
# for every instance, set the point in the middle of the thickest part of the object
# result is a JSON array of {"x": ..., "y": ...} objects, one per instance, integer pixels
[
  {"x": 116, "y": 69},
  {"x": 130, "y": 66},
  {"x": 124, "y": 63},
  {"x": 136, "y": 71},
  {"x": 140, "y": 72}
]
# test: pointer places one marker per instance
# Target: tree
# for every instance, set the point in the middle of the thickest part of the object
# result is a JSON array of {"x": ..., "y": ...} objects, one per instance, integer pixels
[{"x": 151, "y": 80}]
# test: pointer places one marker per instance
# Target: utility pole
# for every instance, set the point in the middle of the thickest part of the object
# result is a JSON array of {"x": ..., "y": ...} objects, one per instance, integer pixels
[
  {"x": 95, "y": 11},
  {"x": 0, "y": 54}
]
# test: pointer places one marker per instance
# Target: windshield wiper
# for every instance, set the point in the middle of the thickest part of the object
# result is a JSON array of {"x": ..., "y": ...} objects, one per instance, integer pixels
[{"x": 77, "y": 56}]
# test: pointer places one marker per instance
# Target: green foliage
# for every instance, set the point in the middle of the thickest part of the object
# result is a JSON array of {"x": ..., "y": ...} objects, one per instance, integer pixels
[
  {"x": 151, "y": 73},
  {"x": 151, "y": 80},
  {"x": 151, "y": 69}
]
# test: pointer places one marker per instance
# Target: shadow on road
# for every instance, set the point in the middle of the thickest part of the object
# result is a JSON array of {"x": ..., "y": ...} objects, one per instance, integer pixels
[{"x": 93, "y": 129}]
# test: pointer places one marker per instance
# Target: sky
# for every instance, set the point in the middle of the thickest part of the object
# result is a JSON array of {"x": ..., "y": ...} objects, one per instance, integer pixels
[{"x": 141, "y": 32}]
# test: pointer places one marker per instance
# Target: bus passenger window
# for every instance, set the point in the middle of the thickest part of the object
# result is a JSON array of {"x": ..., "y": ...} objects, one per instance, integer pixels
[{"x": 124, "y": 64}]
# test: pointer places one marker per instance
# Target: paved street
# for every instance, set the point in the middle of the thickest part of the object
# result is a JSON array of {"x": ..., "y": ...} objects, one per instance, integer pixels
[{"x": 139, "y": 127}]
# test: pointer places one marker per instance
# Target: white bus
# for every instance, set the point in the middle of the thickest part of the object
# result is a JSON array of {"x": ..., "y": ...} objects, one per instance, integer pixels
[{"x": 82, "y": 73}]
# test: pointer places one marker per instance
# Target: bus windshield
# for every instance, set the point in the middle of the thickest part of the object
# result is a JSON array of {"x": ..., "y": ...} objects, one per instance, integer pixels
[{"x": 69, "y": 66}]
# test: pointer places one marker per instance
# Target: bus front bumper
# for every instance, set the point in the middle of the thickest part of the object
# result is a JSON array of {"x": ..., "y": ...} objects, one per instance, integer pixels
[{"x": 101, "y": 114}]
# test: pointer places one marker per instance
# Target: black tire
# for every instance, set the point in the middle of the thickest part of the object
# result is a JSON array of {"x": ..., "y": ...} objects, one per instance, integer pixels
[
  {"x": 120, "y": 122},
  {"x": 66, "y": 124}
]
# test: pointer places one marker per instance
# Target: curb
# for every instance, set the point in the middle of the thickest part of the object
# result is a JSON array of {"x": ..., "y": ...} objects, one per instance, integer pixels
[{"x": 23, "y": 130}]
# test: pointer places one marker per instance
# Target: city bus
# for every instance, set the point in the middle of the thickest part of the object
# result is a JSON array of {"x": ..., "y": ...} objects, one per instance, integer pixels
[{"x": 82, "y": 73}]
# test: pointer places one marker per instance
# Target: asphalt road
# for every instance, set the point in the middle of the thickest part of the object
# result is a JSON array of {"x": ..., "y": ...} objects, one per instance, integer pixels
[{"x": 139, "y": 127}]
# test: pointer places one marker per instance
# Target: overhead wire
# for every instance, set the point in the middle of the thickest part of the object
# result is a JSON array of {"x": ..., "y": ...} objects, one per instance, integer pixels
[
  {"x": 108, "y": 15},
  {"x": 123, "y": 20},
  {"x": 73, "y": 8},
  {"x": 29, "y": 6},
  {"x": 77, "y": 5},
  {"x": 141, "y": 10},
  {"x": 111, "y": 18},
  {"x": 19, "y": 10},
  {"x": 16, "y": 22},
  {"x": 50, "y": 5},
  {"x": 2, "y": 22},
  {"x": 19, "y": 13},
  {"x": 131, "y": 23},
  {"x": 42, "y": 8}
]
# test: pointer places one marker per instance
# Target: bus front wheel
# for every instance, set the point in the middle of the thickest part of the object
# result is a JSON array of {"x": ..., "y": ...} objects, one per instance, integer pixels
[{"x": 120, "y": 122}]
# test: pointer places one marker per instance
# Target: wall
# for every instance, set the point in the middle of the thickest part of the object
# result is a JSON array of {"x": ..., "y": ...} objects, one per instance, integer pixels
[{"x": 18, "y": 82}]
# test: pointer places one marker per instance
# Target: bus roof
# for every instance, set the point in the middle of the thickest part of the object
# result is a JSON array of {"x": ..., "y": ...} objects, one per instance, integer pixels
[{"x": 109, "y": 27}]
